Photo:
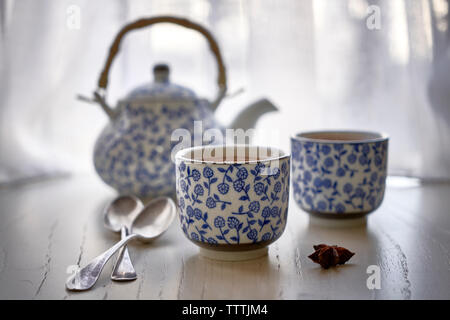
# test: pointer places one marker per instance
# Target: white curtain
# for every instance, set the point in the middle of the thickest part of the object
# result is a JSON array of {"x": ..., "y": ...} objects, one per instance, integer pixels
[{"x": 325, "y": 64}]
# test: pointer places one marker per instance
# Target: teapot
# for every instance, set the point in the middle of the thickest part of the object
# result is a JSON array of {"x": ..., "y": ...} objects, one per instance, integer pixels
[{"x": 133, "y": 152}]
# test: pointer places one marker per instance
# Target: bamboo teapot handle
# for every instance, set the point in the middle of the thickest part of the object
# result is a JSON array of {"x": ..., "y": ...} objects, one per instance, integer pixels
[{"x": 142, "y": 23}]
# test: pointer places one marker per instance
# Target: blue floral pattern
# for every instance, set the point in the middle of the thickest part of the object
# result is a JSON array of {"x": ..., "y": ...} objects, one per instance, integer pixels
[
  {"x": 339, "y": 178},
  {"x": 233, "y": 203},
  {"x": 133, "y": 152}
]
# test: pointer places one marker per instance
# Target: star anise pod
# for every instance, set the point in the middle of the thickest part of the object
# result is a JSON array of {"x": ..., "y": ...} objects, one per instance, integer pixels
[{"x": 330, "y": 256}]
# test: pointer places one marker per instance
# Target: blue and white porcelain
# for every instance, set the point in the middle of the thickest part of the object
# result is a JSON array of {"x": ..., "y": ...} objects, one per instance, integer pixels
[
  {"x": 232, "y": 209},
  {"x": 133, "y": 152},
  {"x": 339, "y": 173}
]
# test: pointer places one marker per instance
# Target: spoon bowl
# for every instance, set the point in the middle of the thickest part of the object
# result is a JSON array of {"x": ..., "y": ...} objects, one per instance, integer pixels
[
  {"x": 122, "y": 212},
  {"x": 154, "y": 219}
]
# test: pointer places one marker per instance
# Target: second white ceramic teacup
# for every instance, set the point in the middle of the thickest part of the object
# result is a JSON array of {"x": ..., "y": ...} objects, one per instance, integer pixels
[{"x": 339, "y": 174}]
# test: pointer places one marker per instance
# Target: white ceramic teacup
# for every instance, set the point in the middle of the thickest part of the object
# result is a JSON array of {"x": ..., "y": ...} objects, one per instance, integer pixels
[
  {"x": 339, "y": 174},
  {"x": 233, "y": 200}
]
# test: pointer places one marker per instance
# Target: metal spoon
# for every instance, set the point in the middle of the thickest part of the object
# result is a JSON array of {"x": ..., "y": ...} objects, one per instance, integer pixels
[
  {"x": 118, "y": 217},
  {"x": 152, "y": 222}
]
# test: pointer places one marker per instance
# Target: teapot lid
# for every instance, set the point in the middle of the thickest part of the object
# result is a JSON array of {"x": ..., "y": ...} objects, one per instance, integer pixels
[{"x": 161, "y": 89}]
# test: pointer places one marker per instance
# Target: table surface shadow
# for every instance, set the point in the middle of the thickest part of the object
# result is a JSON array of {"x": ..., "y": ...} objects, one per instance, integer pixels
[{"x": 48, "y": 228}]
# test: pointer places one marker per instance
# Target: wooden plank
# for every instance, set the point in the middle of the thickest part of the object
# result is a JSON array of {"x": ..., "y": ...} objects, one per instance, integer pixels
[{"x": 48, "y": 226}]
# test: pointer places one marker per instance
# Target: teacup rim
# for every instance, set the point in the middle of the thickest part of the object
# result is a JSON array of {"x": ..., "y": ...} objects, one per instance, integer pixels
[
  {"x": 178, "y": 155},
  {"x": 381, "y": 136}
]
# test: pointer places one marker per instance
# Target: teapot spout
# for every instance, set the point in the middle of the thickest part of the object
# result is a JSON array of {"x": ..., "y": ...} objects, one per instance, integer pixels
[{"x": 247, "y": 118}]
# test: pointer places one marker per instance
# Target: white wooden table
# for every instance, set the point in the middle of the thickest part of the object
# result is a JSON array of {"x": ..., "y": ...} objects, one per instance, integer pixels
[{"x": 47, "y": 226}]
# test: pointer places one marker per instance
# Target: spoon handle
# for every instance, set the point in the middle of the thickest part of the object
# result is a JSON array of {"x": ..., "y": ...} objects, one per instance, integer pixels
[
  {"x": 123, "y": 269},
  {"x": 85, "y": 278}
]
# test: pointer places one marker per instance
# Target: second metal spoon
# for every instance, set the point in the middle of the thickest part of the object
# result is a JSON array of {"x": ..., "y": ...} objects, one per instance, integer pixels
[{"x": 118, "y": 217}]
